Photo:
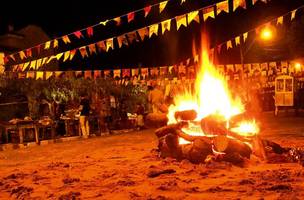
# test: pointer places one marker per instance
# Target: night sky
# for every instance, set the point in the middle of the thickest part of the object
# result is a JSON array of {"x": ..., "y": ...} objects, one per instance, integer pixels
[{"x": 62, "y": 17}]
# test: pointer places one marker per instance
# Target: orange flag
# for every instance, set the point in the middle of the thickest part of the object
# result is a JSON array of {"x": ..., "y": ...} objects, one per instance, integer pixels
[
  {"x": 109, "y": 44},
  {"x": 132, "y": 36},
  {"x": 29, "y": 53},
  {"x": 83, "y": 52},
  {"x": 116, "y": 73},
  {"x": 97, "y": 74},
  {"x": 208, "y": 12},
  {"x": 12, "y": 57},
  {"x": 117, "y": 20},
  {"x": 122, "y": 40},
  {"x": 222, "y": 6},
  {"x": 135, "y": 72},
  {"x": 55, "y": 45},
  {"x": 181, "y": 20},
  {"x": 72, "y": 53},
  {"x": 293, "y": 14},
  {"x": 92, "y": 49},
  {"x": 22, "y": 55},
  {"x": 30, "y": 74},
  {"x": 101, "y": 46},
  {"x": 66, "y": 39},
  {"x": 87, "y": 74},
  {"x": 143, "y": 32},
  {"x": 58, "y": 74},
  {"x": 239, "y": 3}
]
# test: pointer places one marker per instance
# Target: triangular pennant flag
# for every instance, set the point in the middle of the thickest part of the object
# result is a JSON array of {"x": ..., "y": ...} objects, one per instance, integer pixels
[
  {"x": 30, "y": 74},
  {"x": 181, "y": 20},
  {"x": 66, "y": 56},
  {"x": 222, "y": 6},
  {"x": 239, "y": 3},
  {"x": 39, "y": 62},
  {"x": 97, "y": 74},
  {"x": 59, "y": 55},
  {"x": 92, "y": 49},
  {"x": 25, "y": 66},
  {"x": 132, "y": 36},
  {"x": 104, "y": 22},
  {"x": 229, "y": 44},
  {"x": 72, "y": 53},
  {"x": 196, "y": 58},
  {"x": 50, "y": 59},
  {"x": 116, "y": 73},
  {"x": 162, "y": 6},
  {"x": 78, "y": 34},
  {"x": 254, "y": 1},
  {"x": 208, "y": 12},
  {"x": 147, "y": 10},
  {"x": 130, "y": 16},
  {"x": 126, "y": 73},
  {"x": 117, "y": 20},
  {"x": 12, "y": 57},
  {"x": 101, "y": 46},
  {"x": 55, "y": 45},
  {"x": 90, "y": 31},
  {"x": 135, "y": 72},
  {"x": 109, "y": 44},
  {"x": 182, "y": 1},
  {"x": 48, "y": 75},
  {"x": 29, "y": 53},
  {"x": 153, "y": 29},
  {"x": 293, "y": 14},
  {"x": 245, "y": 35},
  {"x": 22, "y": 55},
  {"x": 47, "y": 45},
  {"x": 166, "y": 25},
  {"x": 237, "y": 40},
  {"x": 87, "y": 74},
  {"x": 39, "y": 75},
  {"x": 193, "y": 16},
  {"x": 122, "y": 40},
  {"x": 58, "y": 73},
  {"x": 144, "y": 71},
  {"x": 66, "y": 39},
  {"x": 143, "y": 32},
  {"x": 38, "y": 48},
  {"x": 78, "y": 74},
  {"x": 83, "y": 52},
  {"x": 33, "y": 64},
  {"x": 280, "y": 20},
  {"x": 44, "y": 60}
]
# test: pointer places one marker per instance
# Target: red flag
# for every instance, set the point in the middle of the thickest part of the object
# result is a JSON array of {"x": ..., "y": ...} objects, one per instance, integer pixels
[
  {"x": 90, "y": 31},
  {"x": 131, "y": 16},
  {"x": 29, "y": 53},
  {"x": 78, "y": 34},
  {"x": 147, "y": 10},
  {"x": 38, "y": 48},
  {"x": 6, "y": 59}
]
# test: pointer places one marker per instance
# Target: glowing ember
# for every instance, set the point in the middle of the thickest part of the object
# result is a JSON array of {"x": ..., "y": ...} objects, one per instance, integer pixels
[
  {"x": 246, "y": 128},
  {"x": 211, "y": 97}
]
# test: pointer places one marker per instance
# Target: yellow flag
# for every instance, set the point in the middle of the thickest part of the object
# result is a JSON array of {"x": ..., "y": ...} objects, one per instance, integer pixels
[
  {"x": 162, "y": 6},
  {"x": 109, "y": 44},
  {"x": 116, "y": 73},
  {"x": 208, "y": 12},
  {"x": 22, "y": 55},
  {"x": 66, "y": 56},
  {"x": 47, "y": 45},
  {"x": 25, "y": 66},
  {"x": 72, "y": 54},
  {"x": 239, "y": 3},
  {"x": 237, "y": 40},
  {"x": 33, "y": 64},
  {"x": 44, "y": 60},
  {"x": 166, "y": 25},
  {"x": 293, "y": 14},
  {"x": 245, "y": 35},
  {"x": 50, "y": 59},
  {"x": 58, "y": 73},
  {"x": 193, "y": 16},
  {"x": 104, "y": 22},
  {"x": 30, "y": 74},
  {"x": 181, "y": 20},
  {"x": 153, "y": 29},
  {"x": 39, "y": 75},
  {"x": 48, "y": 75},
  {"x": 39, "y": 61},
  {"x": 229, "y": 44},
  {"x": 280, "y": 20},
  {"x": 59, "y": 55},
  {"x": 55, "y": 43},
  {"x": 222, "y": 6}
]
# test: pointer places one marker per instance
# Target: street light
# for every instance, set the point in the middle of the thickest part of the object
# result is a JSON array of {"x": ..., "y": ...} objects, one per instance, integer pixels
[{"x": 266, "y": 34}]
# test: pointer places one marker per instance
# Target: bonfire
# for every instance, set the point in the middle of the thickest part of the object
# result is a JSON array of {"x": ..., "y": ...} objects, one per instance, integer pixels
[{"x": 211, "y": 124}]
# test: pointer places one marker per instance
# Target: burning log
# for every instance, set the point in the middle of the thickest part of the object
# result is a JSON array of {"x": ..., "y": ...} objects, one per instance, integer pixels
[
  {"x": 185, "y": 115},
  {"x": 172, "y": 128}
]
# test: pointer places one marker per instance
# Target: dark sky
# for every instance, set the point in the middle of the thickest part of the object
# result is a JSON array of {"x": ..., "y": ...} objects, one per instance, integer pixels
[{"x": 65, "y": 16}]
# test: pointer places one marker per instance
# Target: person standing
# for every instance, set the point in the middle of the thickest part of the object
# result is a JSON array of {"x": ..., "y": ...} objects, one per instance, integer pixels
[{"x": 84, "y": 115}]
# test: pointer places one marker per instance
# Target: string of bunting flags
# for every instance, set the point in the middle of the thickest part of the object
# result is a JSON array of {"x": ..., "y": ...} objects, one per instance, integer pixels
[
  {"x": 129, "y": 38},
  {"x": 210, "y": 11}
]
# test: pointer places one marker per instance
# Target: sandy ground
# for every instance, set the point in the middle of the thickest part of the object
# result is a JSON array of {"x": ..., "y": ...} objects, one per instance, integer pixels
[{"x": 117, "y": 167}]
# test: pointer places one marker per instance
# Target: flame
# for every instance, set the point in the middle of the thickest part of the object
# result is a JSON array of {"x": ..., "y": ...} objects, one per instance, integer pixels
[
  {"x": 246, "y": 128},
  {"x": 211, "y": 96}
]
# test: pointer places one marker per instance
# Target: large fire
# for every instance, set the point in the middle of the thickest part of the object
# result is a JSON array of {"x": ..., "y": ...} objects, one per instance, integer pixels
[{"x": 211, "y": 97}]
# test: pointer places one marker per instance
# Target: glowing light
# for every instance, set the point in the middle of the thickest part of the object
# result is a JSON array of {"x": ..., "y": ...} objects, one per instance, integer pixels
[
  {"x": 266, "y": 34},
  {"x": 298, "y": 66}
]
